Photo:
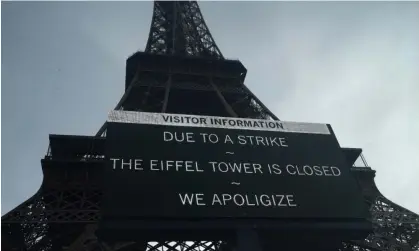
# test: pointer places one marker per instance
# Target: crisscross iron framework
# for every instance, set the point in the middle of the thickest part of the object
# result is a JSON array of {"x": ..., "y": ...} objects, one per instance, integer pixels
[{"x": 181, "y": 71}]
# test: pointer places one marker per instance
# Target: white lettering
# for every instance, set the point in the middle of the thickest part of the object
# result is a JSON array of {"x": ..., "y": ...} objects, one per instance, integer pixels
[
  {"x": 199, "y": 199},
  {"x": 237, "y": 198},
  {"x": 204, "y": 137},
  {"x": 247, "y": 168},
  {"x": 153, "y": 164},
  {"x": 335, "y": 171},
  {"x": 290, "y": 199},
  {"x": 215, "y": 199},
  {"x": 274, "y": 168},
  {"x": 226, "y": 197},
  {"x": 167, "y": 136},
  {"x": 326, "y": 171},
  {"x": 186, "y": 197},
  {"x": 129, "y": 163},
  {"x": 261, "y": 141},
  {"x": 178, "y": 137},
  {"x": 307, "y": 170},
  {"x": 266, "y": 202},
  {"x": 175, "y": 165},
  {"x": 114, "y": 162},
  {"x": 124, "y": 164},
  {"x": 228, "y": 139},
  {"x": 137, "y": 164},
  {"x": 192, "y": 199},
  {"x": 247, "y": 200},
  {"x": 213, "y": 138}
]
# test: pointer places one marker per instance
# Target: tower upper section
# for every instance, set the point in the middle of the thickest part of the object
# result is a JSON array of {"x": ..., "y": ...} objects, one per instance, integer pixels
[{"x": 178, "y": 28}]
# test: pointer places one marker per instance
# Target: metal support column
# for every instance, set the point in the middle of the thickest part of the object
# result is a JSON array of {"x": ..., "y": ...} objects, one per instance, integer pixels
[
  {"x": 166, "y": 94},
  {"x": 225, "y": 103}
]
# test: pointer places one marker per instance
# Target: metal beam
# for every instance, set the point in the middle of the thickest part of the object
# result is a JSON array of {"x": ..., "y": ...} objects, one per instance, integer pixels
[
  {"x": 121, "y": 101},
  {"x": 261, "y": 104},
  {"x": 225, "y": 103},
  {"x": 166, "y": 94}
]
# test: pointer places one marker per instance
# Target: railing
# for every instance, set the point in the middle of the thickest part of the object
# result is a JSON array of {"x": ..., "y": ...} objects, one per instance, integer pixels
[
  {"x": 81, "y": 157},
  {"x": 361, "y": 162},
  {"x": 364, "y": 161},
  {"x": 48, "y": 152},
  {"x": 92, "y": 157}
]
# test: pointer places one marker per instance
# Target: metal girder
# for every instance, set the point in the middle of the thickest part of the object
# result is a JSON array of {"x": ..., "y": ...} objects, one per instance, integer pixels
[
  {"x": 192, "y": 86},
  {"x": 227, "y": 106},
  {"x": 179, "y": 28},
  {"x": 247, "y": 107},
  {"x": 77, "y": 206},
  {"x": 45, "y": 221},
  {"x": 395, "y": 228}
]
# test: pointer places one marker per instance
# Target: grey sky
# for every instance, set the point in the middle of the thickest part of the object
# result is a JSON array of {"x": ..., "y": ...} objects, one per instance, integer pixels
[{"x": 353, "y": 65}]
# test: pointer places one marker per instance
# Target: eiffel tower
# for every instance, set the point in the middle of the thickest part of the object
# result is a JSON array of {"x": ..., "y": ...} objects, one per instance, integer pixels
[{"x": 183, "y": 71}]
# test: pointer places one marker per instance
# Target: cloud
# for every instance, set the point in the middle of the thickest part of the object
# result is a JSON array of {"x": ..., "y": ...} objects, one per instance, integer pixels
[{"x": 362, "y": 81}]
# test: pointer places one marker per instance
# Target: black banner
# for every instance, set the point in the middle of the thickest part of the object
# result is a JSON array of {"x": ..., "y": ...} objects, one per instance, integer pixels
[{"x": 193, "y": 172}]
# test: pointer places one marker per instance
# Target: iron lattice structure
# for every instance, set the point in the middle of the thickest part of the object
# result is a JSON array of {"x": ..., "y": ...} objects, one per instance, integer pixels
[{"x": 181, "y": 71}]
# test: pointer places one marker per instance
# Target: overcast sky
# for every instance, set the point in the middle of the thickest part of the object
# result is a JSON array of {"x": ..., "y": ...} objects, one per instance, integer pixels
[{"x": 353, "y": 65}]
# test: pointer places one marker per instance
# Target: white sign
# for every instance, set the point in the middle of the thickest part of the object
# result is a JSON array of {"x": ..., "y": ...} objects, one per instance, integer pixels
[{"x": 215, "y": 122}]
